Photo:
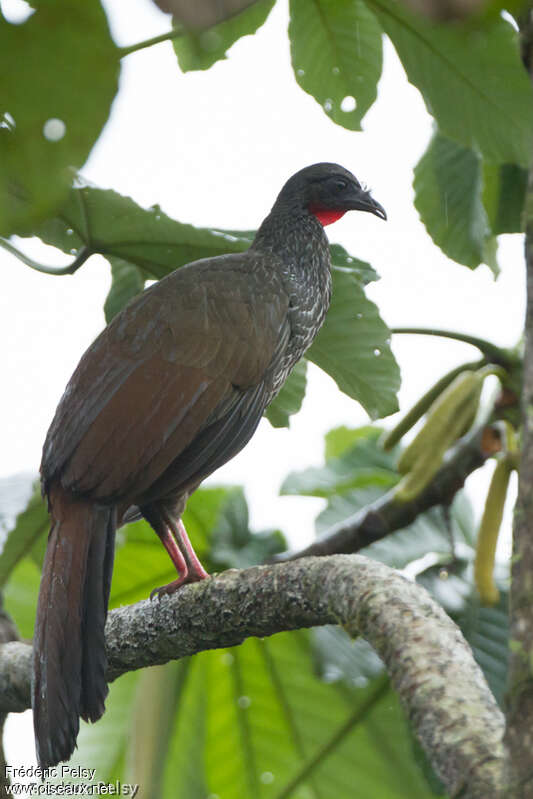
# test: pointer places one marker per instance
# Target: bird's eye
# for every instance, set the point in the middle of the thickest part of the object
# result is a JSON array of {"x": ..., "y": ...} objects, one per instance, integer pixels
[{"x": 340, "y": 184}]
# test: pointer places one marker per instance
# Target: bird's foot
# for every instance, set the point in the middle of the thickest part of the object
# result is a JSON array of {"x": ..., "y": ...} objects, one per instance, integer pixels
[{"x": 193, "y": 576}]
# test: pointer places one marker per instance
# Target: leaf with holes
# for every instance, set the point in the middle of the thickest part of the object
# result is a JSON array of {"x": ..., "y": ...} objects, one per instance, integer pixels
[
  {"x": 44, "y": 127},
  {"x": 336, "y": 56}
]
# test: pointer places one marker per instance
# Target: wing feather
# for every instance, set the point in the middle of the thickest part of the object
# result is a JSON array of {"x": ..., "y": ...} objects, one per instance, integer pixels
[{"x": 189, "y": 355}]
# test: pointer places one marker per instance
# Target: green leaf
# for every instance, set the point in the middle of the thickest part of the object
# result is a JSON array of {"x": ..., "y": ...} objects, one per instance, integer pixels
[
  {"x": 267, "y": 722},
  {"x": 363, "y": 463},
  {"x": 472, "y": 80},
  {"x": 504, "y": 195},
  {"x": 117, "y": 227},
  {"x": 234, "y": 545},
  {"x": 49, "y": 117},
  {"x": 340, "y": 439},
  {"x": 290, "y": 398},
  {"x": 487, "y": 632},
  {"x": 342, "y": 261},
  {"x": 337, "y": 56},
  {"x": 353, "y": 348},
  {"x": 127, "y": 280},
  {"x": 184, "y": 773},
  {"x": 113, "y": 225},
  {"x": 428, "y": 533},
  {"x": 339, "y": 657},
  {"x": 31, "y": 524},
  {"x": 157, "y": 697},
  {"x": 200, "y": 50},
  {"x": 20, "y": 595},
  {"x": 448, "y": 187},
  {"x": 103, "y": 746}
]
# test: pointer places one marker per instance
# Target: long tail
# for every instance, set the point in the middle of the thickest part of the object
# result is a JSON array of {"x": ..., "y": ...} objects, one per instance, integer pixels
[{"x": 69, "y": 661}]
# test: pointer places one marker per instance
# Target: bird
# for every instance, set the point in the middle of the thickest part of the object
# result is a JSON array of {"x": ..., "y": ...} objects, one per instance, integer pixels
[{"x": 170, "y": 390}]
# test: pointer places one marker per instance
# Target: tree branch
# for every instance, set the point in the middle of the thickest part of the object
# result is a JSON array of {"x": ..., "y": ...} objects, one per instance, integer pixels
[
  {"x": 518, "y": 735},
  {"x": 387, "y": 514},
  {"x": 431, "y": 666},
  {"x": 8, "y": 632}
]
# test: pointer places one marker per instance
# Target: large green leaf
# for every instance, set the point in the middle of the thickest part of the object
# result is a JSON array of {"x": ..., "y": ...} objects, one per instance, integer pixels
[
  {"x": 472, "y": 80},
  {"x": 108, "y": 223},
  {"x": 342, "y": 261},
  {"x": 269, "y": 723},
  {"x": 158, "y": 694},
  {"x": 504, "y": 194},
  {"x": 353, "y": 348},
  {"x": 200, "y": 50},
  {"x": 184, "y": 772},
  {"x": 30, "y": 525},
  {"x": 340, "y": 440},
  {"x": 363, "y": 462},
  {"x": 20, "y": 595},
  {"x": 340, "y": 657},
  {"x": 233, "y": 543},
  {"x": 127, "y": 280},
  {"x": 429, "y": 532},
  {"x": 337, "y": 56},
  {"x": 290, "y": 398},
  {"x": 448, "y": 188},
  {"x": 58, "y": 78}
]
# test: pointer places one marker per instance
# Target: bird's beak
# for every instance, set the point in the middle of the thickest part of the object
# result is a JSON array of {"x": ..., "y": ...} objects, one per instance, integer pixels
[{"x": 363, "y": 201}]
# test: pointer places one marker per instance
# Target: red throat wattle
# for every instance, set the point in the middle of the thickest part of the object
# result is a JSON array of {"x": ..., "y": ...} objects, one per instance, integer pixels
[{"x": 326, "y": 217}]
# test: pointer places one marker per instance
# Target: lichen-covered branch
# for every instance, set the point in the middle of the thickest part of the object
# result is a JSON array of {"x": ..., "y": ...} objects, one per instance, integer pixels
[
  {"x": 441, "y": 687},
  {"x": 387, "y": 514},
  {"x": 8, "y": 632}
]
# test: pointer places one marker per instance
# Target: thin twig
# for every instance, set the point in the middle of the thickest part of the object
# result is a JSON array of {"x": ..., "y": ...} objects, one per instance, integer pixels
[
  {"x": 83, "y": 254},
  {"x": 491, "y": 351},
  {"x": 163, "y": 37}
]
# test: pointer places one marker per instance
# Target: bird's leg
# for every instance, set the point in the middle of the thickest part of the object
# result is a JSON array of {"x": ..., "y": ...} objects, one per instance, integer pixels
[
  {"x": 174, "y": 538},
  {"x": 195, "y": 569}
]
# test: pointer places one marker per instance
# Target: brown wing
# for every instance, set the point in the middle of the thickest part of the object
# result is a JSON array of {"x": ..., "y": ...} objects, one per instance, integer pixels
[{"x": 191, "y": 352}]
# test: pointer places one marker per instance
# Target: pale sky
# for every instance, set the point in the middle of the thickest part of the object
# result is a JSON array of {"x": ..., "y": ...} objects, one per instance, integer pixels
[{"x": 214, "y": 148}]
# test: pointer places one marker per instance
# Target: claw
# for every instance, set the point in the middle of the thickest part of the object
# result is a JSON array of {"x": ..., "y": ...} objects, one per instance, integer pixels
[{"x": 170, "y": 588}]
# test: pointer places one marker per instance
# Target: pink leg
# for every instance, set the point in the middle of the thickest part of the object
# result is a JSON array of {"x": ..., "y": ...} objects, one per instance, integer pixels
[
  {"x": 196, "y": 571},
  {"x": 176, "y": 542}
]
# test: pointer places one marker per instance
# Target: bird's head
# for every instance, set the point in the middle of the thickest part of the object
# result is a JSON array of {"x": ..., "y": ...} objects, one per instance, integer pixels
[{"x": 328, "y": 191}]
